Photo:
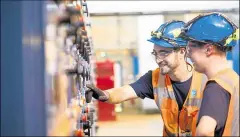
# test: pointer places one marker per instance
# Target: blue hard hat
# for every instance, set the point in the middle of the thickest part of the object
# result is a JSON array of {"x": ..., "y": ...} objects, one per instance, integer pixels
[
  {"x": 212, "y": 28},
  {"x": 166, "y": 35}
]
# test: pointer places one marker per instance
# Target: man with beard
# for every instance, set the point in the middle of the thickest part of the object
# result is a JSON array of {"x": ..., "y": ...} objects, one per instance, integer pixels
[
  {"x": 210, "y": 37},
  {"x": 174, "y": 86}
]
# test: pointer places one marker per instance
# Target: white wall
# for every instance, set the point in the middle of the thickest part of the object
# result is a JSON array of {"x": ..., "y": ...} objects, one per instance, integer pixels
[
  {"x": 149, "y": 6},
  {"x": 114, "y": 32},
  {"x": 146, "y": 24}
]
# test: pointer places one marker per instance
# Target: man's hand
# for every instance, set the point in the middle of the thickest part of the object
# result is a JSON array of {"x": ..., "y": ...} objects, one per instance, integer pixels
[{"x": 96, "y": 93}]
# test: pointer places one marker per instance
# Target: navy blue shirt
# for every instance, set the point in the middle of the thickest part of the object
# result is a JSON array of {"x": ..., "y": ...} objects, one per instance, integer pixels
[
  {"x": 214, "y": 96},
  {"x": 215, "y": 104},
  {"x": 180, "y": 90},
  {"x": 143, "y": 88}
]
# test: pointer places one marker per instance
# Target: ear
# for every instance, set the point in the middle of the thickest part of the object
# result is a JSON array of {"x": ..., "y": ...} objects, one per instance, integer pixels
[
  {"x": 182, "y": 50},
  {"x": 209, "y": 49}
]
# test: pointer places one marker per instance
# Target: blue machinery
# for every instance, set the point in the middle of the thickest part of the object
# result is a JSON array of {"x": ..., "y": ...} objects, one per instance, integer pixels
[
  {"x": 25, "y": 107},
  {"x": 22, "y": 68},
  {"x": 234, "y": 57}
]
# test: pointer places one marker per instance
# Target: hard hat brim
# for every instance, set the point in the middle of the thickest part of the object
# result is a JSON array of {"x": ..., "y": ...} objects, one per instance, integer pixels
[{"x": 161, "y": 43}]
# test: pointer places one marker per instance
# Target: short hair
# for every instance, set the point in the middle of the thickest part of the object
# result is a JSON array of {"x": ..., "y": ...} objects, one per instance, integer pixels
[
  {"x": 224, "y": 48},
  {"x": 220, "y": 47}
]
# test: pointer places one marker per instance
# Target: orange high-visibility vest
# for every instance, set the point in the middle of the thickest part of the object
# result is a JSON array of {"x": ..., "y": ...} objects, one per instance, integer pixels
[
  {"x": 183, "y": 122},
  {"x": 229, "y": 80}
]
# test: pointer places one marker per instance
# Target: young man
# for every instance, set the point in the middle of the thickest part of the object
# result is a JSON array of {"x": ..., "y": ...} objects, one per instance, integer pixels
[
  {"x": 210, "y": 37},
  {"x": 174, "y": 86}
]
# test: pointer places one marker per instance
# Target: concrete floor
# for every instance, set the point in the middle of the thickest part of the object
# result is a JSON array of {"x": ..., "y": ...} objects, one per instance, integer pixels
[{"x": 132, "y": 124}]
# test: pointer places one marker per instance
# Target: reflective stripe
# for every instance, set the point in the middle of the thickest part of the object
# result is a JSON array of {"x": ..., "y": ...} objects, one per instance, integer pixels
[
  {"x": 168, "y": 132},
  {"x": 163, "y": 93},
  {"x": 203, "y": 85},
  {"x": 160, "y": 94},
  {"x": 186, "y": 134},
  {"x": 172, "y": 95},
  {"x": 156, "y": 98},
  {"x": 193, "y": 102},
  {"x": 204, "y": 81},
  {"x": 235, "y": 120}
]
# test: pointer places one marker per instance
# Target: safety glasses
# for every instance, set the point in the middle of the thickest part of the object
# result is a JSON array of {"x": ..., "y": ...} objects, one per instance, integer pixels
[{"x": 162, "y": 53}]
